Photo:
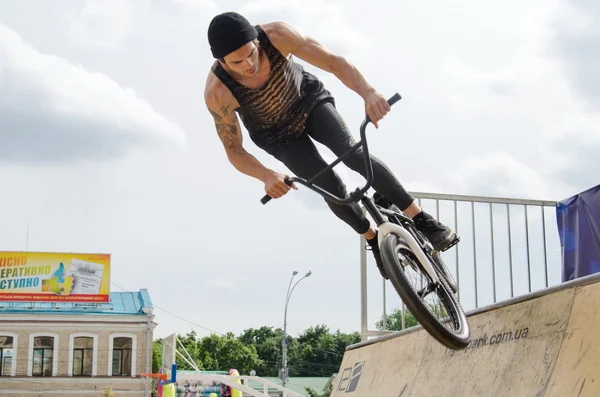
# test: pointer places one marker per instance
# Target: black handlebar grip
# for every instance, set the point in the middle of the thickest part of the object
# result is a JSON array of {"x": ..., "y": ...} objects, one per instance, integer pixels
[
  {"x": 268, "y": 198},
  {"x": 265, "y": 199},
  {"x": 394, "y": 99}
]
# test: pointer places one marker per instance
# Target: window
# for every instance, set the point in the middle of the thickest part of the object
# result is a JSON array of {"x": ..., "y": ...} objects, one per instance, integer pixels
[
  {"x": 121, "y": 360},
  {"x": 43, "y": 356},
  {"x": 6, "y": 355},
  {"x": 83, "y": 354},
  {"x": 122, "y": 352}
]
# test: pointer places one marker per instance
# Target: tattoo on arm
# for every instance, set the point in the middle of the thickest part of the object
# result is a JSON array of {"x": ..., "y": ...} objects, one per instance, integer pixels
[{"x": 227, "y": 128}]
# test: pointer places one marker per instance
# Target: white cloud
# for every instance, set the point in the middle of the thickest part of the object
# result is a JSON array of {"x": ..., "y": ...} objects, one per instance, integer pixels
[
  {"x": 499, "y": 174},
  {"x": 103, "y": 23},
  {"x": 220, "y": 284},
  {"x": 568, "y": 169},
  {"x": 202, "y": 5},
  {"x": 575, "y": 161},
  {"x": 51, "y": 108},
  {"x": 576, "y": 43},
  {"x": 327, "y": 22}
]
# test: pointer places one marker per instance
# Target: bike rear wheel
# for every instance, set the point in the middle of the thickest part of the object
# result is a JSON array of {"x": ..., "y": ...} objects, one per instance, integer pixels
[{"x": 451, "y": 329}]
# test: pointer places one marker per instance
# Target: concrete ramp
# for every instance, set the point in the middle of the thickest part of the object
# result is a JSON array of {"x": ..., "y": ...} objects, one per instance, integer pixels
[{"x": 545, "y": 343}]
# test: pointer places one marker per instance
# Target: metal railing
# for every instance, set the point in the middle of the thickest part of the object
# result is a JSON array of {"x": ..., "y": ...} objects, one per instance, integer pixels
[
  {"x": 508, "y": 248},
  {"x": 261, "y": 388}
]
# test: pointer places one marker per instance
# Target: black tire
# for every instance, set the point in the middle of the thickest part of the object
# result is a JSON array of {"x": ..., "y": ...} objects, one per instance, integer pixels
[{"x": 456, "y": 338}]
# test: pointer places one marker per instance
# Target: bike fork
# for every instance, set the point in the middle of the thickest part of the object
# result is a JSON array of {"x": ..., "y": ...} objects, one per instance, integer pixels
[{"x": 388, "y": 227}]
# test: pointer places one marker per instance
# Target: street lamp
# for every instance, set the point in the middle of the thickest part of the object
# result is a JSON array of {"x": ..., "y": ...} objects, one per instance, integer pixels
[{"x": 284, "y": 370}]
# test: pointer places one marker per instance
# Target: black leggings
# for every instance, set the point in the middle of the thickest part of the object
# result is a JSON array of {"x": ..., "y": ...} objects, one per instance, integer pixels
[{"x": 326, "y": 126}]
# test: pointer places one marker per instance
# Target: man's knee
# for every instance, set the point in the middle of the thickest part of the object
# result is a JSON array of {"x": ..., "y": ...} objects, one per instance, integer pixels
[
  {"x": 352, "y": 215},
  {"x": 356, "y": 161}
]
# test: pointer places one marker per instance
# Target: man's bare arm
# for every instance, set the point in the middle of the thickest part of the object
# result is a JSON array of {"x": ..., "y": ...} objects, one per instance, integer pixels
[
  {"x": 310, "y": 50},
  {"x": 290, "y": 41},
  {"x": 230, "y": 133},
  {"x": 221, "y": 105}
]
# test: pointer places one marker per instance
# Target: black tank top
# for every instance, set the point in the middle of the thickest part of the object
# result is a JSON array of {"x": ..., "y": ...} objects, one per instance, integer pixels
[{"x": 276, "y": 114}]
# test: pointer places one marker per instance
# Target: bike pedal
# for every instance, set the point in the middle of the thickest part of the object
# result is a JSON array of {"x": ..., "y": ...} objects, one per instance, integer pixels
[{"x": 452, "y": 244}]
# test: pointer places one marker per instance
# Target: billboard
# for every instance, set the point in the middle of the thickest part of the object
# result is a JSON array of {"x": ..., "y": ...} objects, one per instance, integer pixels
[{"x": 54, "y": 277}]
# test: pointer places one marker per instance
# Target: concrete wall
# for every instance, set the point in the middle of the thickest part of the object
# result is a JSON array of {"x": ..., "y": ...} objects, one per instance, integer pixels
[{"x": 55, "y": 387}]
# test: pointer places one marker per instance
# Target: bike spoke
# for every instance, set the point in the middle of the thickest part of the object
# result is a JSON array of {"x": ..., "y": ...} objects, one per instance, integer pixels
[
  {"x": 427, "y": 290},
  {"x": 423, "y": 292}
]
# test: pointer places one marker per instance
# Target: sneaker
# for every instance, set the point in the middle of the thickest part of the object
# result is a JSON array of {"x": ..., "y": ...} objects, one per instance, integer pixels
[
  {"x": 372, "y": 246},
  {"x": 439, "y": 235}
]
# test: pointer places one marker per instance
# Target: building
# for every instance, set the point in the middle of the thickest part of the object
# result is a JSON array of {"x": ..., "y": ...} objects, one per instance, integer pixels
[{"x": 74, "y": 348}]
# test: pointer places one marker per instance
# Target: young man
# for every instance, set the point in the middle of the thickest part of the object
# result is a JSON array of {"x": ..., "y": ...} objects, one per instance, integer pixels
[{"x": 283, "y": 107}]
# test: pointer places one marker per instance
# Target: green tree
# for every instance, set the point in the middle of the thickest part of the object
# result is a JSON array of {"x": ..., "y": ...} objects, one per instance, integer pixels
[
  {"x": 315, "y": 352},
  {"x": 328, "y": 389},
  {"x": 313, "y": 393},
  {"x": 192, "y": 345},
  {"x": 221, "y": 353},
  {"x": 345, "y": 340},
  {"x": 318, "y": 352},
  {"x": 267, "y": 342},
  {"x": 156, "y": 355},
  {"x": 394, "y": 320}
]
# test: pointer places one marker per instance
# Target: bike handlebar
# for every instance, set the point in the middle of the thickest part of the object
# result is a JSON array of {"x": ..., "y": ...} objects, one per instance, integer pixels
[
  {"x": 395, "y": 98},
  {"x": 268, "y": 198}
]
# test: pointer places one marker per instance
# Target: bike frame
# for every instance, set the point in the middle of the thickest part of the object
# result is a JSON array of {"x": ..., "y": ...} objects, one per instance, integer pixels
[{"x": 359, "y": 194}]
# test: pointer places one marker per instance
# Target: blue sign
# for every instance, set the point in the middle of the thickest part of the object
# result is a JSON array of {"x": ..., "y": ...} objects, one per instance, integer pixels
[{"x": 578, "y": 220}]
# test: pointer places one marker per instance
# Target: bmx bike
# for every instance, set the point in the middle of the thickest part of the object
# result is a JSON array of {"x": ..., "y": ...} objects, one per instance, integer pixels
[{"x": 415, "y": 268}]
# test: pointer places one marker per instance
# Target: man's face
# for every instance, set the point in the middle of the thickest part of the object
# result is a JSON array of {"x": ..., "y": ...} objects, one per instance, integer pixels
[{"x": 245, "y": 60}]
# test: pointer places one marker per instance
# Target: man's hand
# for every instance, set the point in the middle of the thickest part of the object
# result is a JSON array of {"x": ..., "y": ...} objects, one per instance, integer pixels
[
  {"x": 376, "y": 107},
  {"x": 275, "y": 185}
]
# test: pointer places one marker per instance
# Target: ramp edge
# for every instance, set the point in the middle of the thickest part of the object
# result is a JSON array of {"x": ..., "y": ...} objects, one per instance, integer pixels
[{"x": 579, "y": 282}]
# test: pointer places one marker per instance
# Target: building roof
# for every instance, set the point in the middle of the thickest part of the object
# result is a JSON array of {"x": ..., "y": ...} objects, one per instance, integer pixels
[{"x": 121, "y": 303}]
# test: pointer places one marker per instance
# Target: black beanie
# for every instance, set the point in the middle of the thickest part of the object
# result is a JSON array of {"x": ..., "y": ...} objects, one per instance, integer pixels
[{"x": 229, "y": 31}]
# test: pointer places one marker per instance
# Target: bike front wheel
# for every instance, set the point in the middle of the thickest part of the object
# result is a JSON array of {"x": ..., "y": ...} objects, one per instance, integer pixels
[
  {"x": 443, "y": 318},
  {"x": 441, "y": 267}
]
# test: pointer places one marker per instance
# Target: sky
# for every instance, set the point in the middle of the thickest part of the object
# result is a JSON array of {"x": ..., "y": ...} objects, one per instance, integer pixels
[{"x": 106, "y": 144}]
